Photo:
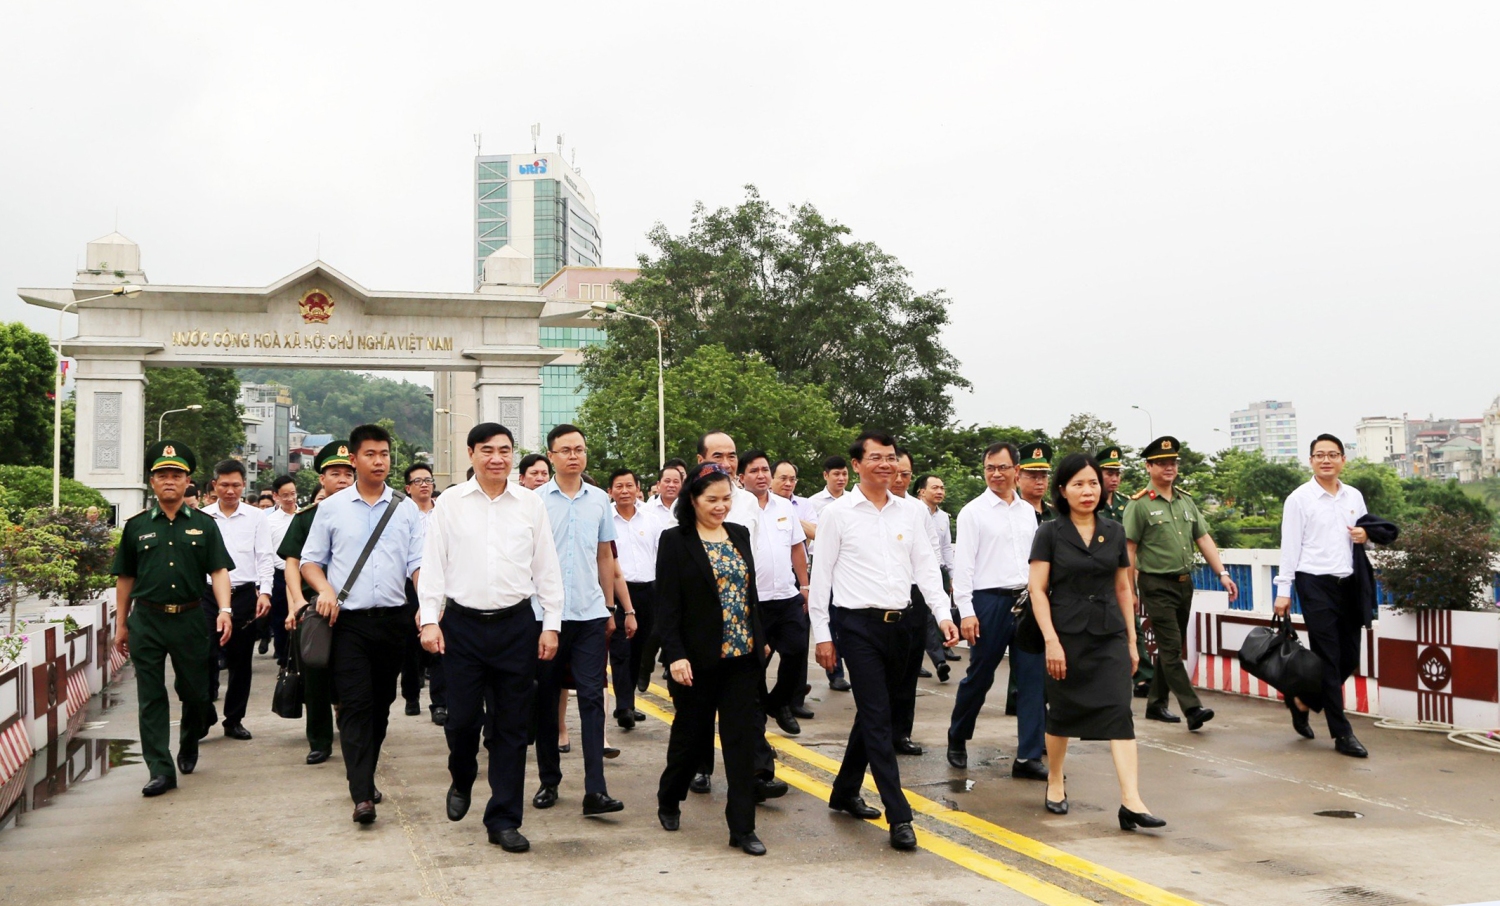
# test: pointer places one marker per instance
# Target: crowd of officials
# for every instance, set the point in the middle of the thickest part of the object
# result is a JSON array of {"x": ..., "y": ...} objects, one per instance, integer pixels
[{"x": 528, "y": 583}]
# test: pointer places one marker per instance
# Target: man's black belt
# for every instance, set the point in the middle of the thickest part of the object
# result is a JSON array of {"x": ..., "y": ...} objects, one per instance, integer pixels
[
  {"x": 170, "y": 608},
  {"x": 1170, "y": 577},
  {"x": 490, "y": 616},
  {"x": 879, "y": 614},
  {"x": 1006, "y": 590}
]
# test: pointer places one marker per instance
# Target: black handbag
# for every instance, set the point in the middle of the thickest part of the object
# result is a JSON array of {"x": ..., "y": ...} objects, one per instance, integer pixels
[
  {"x": 315, "y": 635},
  {"x": 1028, "y": 634},
  {"x": 286, "y": 701},
  {"x": 1274, "y": 654}
]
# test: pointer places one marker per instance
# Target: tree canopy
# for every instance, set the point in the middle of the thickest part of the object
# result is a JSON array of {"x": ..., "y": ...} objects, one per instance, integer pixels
[
  {"x": 334, "y": 402},
  {"x": 212, "y": 433},
  {"x": 27, "y": 369}
]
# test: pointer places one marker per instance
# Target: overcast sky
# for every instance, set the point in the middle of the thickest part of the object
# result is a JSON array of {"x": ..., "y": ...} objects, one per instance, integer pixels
[{"x": 1180, "y": 206}]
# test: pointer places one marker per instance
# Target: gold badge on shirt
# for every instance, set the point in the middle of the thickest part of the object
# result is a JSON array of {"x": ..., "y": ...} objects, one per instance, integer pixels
[{"x": 193, "y": 531}]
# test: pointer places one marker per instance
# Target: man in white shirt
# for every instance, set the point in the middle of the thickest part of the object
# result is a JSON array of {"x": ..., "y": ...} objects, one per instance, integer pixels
[
  {"x": 489, "y": 553},
  {"x": 279, "y": 518},
  {"x": 932, "y": 492},
  {"x": 780, "y": 584},
  {"x": 660, "y": 510},
  {"x": 991, "y": 566},
  {"x": 636, "y": 535},
  {"x": 835, "y": 481},
  {"x": 784, "y": 485},
  {"x": 247, "y": 535},
  {"x": 871, "y": 550},
  {"x": 420, "y": 485},
  {"x": 1318, "y": 534}
]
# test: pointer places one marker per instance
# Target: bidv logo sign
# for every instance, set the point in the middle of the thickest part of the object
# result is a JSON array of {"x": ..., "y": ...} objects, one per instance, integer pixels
[{"x": 535, "y": 168}]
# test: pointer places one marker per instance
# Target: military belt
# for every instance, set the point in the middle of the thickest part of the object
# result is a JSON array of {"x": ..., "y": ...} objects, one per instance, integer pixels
[{"x": 169, "y": 608}]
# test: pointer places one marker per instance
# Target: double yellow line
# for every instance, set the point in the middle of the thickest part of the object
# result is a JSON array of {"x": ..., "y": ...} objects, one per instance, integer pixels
[{"x": 985, "y": 866}]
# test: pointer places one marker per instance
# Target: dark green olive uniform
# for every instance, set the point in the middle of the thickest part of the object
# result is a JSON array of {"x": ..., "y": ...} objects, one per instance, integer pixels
[
  {"x": 1114, "y": 508},
  {"x": 168, "y": 558},
  {"x": 317, "y": 682},
  {"x": 1166, "y": 534},
  {"x": 1035, "y": 456}
]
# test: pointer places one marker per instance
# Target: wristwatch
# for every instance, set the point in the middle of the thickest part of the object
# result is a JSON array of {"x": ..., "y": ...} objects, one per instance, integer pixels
[
  {"x": 228, "y": 610},
  {"x": 629, "y": 613}
]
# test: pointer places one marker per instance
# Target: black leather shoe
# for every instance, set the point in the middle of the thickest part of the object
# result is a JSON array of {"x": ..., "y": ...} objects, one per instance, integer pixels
[
  {"x": 611, "y": 751},
  {"x": 364, "y": 813},
  {"x": 1056, "y": 808},
  {"x": 903, "y": 837},
  {"x": 1299, "y": 721},
  {"x": 626, "y": 719},
  {"x": 943, "y": 672},
  {"x": 788, "y": 722},
  {"x": 413, "y": 708},
  {"x": 1348, "y": 745},
  {"x": 749, "y": 843},
  {"x": 1028, "y": 769},
  {"x": 839, "y": 684},
  {"x": 670, "y": 821},
  {"x": 802, "y": 711},
  {"x": 510, "y": 840},
  {"x": 951, "y": 655},
  {"x": 187, "y": 761},
  {"x": 1160, "y": 712},
  {"x": 904, "y": 746},
  {"x": 701, "y": 783},
  {"x": 213, "y": 718},
  {"x": 769, "y": 788},
  {"x": 565, "y": 748},
  {"x": 158, "y": 785},
  {"x": 237, "y": 731},
  {"x": 601, "y": 804},
  {"x": 440, "y": 716},
  {"x": 1142, "y": 690},
  {"x": 642, "y": 684},
  {"x": 958, "y": 753},
  {"x": 638, "y": 715},
  {"x": 1197, "y": 717},
  {"x": 856, "y": 807},
  {"x": 924, "y": 673},
  {"x": 317, "y": 756},
  {"x": 1131, "y": 820},
  {"x": 458, "y": 804},
  {"x": 546, "y": 797},
  {"x": 265, "y": 645},
  {"x": 379, "y": 796}
]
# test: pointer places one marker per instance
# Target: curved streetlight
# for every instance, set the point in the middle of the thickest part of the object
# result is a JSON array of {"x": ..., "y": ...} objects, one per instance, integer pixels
[
  {"x": 451, "y": 456},
  {"x": 610, "y": 308},
  {"x": 1150, "y": 423},
  {"x": 126, "y": 290},
  {"x": 193, "y": 408}
]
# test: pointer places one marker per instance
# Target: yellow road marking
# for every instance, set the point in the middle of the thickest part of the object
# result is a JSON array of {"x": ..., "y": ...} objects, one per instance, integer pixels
[{"x": 1134, "y": 888}]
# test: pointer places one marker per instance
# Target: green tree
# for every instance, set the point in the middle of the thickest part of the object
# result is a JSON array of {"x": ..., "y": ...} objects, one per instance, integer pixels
[
  {"x": 25, "y": 488},
  {"x": 710, "y": 389},
  {"x": 212, "y": 433},
  {"x": 956, "y": 455},
  {"x": 1085, "y": 432},
  {"x": 1381, "y": 487},
  {"x": 27, "y": 371},
  {"x": 334, "y": 402},
  {"x": 1442, "y": 561},
  {"x": 92, "y": 550},
  {"x": 1423, "y": 495},
  {"x": 794, "y": 288}
]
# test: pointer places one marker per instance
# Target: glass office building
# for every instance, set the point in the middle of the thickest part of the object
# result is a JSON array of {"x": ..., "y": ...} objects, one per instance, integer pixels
[{"x": 537, "y": 204}]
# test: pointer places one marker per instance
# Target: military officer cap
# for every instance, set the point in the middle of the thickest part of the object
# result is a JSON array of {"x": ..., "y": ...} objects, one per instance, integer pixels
[
  {"x": 169, "y": 454},
  {"x": 1108, "y": 458},
  {"x": 1036, "y": 455},
  {"x": 333, "y": 454},
  {"x": 1164, "y": 447}
]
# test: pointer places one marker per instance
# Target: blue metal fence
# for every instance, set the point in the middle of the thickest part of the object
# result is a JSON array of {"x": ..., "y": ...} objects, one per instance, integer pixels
[
  {"x": 1204, "y": 579},
  {"x": 1296, "y": 600}
]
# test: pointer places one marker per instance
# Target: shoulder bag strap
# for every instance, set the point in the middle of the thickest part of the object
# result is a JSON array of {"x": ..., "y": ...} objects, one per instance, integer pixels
[{"x": 396, "y": 498}]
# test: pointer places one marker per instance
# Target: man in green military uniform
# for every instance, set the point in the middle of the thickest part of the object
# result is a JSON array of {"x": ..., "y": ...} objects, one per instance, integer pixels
[
  {"x": 164, "y": 553},
  {"x": 1113, "y": 506},
  {"x": 335, "y": 472},
  {"x": 1033, "y": 473},
  {"x": 1162, "y": 529}
]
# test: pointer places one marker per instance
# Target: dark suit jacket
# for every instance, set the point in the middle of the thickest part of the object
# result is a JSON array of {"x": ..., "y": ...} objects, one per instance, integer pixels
[
  {"x": 1380, "y": 532},
  {"x": 689, "y": 615}
]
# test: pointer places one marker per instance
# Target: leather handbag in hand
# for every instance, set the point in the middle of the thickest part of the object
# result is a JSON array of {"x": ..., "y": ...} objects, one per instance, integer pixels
[
  {"x": 1028, "y": 633},
  {"x": 286, "y": 701},
  {"x": 1275, "y": 654},
  {"x": 315, "y": 634}
]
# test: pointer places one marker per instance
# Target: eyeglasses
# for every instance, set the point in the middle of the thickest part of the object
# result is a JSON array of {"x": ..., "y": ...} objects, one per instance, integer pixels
[
  {"x": 877, "y": 458},
  {"x": 1326, "y": 457},
  {"x": 421, "y": 481},
  {"x": 1000, "y": 469},
  {"x": 570, "y": 451}
]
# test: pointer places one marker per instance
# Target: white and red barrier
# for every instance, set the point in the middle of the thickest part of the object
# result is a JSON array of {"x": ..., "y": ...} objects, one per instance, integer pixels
[{"x": 1218, "y": 634}]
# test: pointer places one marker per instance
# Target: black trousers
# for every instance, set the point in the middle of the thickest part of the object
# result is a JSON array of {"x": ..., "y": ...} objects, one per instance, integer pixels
[
  {"x": 496, "y": 661},
  {"x": 413, "y": 656},
  {"x": 1331, "y": 612},
  {"x": 728, "y": 689},
  {"x": 786, "y": 628},
  {"x": 838, "y": 665},
  {"x": 367, "y": 649},
  {"x": 276, "y": 619},
  {"x": 905, "y": 708},
  {"x": 237, "y": 653},
  {"x": 437, "y": 681},
  {"x": 642, "y": 652},
  {"x": 620, "y": 673},
  {"x": 880, "y": 657},
  {"x": 581, "y": 650}
]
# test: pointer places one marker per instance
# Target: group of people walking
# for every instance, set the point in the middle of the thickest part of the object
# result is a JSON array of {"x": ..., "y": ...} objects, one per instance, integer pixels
[{"x": 527, "y": 581}]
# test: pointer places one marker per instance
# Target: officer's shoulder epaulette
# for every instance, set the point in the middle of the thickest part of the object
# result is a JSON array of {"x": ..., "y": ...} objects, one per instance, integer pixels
[
  {"x": 1182, "y": 491},
  {"x": 137, "y": 513},
  {"x": 307, "y": 509},
  {"x": 1139, "y": 494}
]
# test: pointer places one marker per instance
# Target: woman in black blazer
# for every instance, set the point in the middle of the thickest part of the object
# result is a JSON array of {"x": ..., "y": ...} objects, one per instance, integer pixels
[{"x": 707, "y": 616}]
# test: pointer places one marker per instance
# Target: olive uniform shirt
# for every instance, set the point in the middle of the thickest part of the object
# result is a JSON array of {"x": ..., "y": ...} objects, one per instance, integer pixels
[
  {"x": 1165, "y": 531},
  {"x": 1047, "y": 513},
  {"x": 168, "y": 558},
  {"x": 292, "y": 541},
  {"x": 1115, "y": 509}
]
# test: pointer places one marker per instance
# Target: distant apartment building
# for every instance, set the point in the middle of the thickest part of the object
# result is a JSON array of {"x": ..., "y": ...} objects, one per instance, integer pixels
[
  {"x": 1269, "y": 426},
  {"x": 1445, "y": 448},
  {"x": 268, "y": 418},
  {"x": 1381, "y": 438},
  {"x": 538, "y": 205},
  {"x": 1489, "y": 440}
]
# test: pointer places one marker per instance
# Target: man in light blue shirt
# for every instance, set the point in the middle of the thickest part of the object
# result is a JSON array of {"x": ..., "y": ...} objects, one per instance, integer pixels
[
  {"x": 582, "y": 526},
  {"x": 370, "y": 625}
]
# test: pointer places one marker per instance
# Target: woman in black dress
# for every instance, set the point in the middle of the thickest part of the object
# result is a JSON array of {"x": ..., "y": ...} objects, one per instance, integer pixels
[{"x": 1084, "y": 602}]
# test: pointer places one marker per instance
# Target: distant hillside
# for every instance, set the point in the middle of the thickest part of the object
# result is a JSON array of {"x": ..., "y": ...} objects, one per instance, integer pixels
[{"x": 333, "y": 402}]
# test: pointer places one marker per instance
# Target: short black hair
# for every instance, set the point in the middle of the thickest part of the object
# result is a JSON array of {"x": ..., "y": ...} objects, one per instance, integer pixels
[
  {"x": 192, "y": 490},
  {"x": 1071, "y": 465},
  {"x": 531, "y": 459},
  {"x": 857, "y": 449},
  {"x": 784, "y": 462},
  {"x": 281, "y": 481},
  {"x": 921, "y": 483},
  {"x": 674, "y": 463},
  {"x": 416, "y": 467},
  {"x": 486, "y": 430},
  {"x": 699, "y": 479},
  {"x": 1005, "y": 446},
  {"x": 835, "y": 462},
  {"x": 752, "y": 456},
  {"x": 363, "y": 433},
  {"x": 1328, "y": 437},
  {"x": 903, "y": 453},
  {"x": 231, "y": 467},
  {"x": 564, "y": 429},
  {"x": 621, "y": 473},
  {"x": 703, "y": 438}
]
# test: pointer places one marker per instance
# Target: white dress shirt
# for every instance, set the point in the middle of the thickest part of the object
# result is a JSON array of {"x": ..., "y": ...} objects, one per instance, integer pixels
[
  {"x": 942, "y": 525},
  {"x": 994, "y": 547},
  {"x": 664, "y": 516},
  {"x": 247, "y": 535},
  {"x": 636, "y": 539},
  {"x": 279, "y": 520},
  {"x": 869, "y": 557},
  {"x": 780, "y": 530},
  {"x": 491, "y": 554},
  {"x": 822, "y": 499},
  {"x": 1315, "y": 533}
]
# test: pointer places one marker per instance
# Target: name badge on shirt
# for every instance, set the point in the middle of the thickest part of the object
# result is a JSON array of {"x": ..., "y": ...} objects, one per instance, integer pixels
[{"x": 193, "y": 531}]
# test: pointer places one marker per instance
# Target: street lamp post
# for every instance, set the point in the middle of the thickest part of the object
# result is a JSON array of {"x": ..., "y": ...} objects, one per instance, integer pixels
[
  {"x": 193, "y": 408},
  {"x": 1150, "y": 423},
  {"x": 451, "y": 455},
  {"x": 610, "y": 308},
  {"x": 126, "y": 290}
]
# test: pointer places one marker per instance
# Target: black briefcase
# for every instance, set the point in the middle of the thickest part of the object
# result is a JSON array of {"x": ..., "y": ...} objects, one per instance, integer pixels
[
  {"x": 1275, "y": 654},
  {"x": 286, "y": 701}
]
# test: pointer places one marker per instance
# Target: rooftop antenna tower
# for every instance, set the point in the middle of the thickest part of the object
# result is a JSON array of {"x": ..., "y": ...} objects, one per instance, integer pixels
[
  {"x": 559, "y": 143},
  {"x": 478, "y": 144},
  {"x": 536, "y": 132}
]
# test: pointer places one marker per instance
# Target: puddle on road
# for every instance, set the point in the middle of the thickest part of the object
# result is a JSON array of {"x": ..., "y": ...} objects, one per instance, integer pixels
[
  {"x": 72, "y": 760},
  {"x": 1338, "y": 813}
]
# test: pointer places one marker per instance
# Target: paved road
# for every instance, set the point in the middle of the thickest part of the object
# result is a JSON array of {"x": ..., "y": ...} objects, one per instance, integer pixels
[{"x": 256, "y": 825}]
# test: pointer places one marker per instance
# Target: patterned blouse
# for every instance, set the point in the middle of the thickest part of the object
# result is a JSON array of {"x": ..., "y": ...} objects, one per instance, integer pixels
[{"x": 729, "y": 571}]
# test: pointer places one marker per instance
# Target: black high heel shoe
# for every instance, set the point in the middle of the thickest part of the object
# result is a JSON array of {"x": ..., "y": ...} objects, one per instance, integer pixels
[
  {"x": 1131, "y": 820},
  {"x": 1057, "y": 808}
]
